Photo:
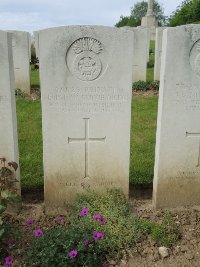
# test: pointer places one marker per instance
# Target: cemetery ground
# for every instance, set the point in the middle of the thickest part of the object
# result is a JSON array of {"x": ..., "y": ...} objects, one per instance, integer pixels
[{"x": 136, "y": 232}]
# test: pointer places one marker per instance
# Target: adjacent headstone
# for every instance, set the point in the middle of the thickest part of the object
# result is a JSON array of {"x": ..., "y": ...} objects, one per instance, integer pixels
[
  {"x": 177, "y": 163},
  {"x": 36, "y": 43},
  {"x": 8, "y": 124},
  {"x": 21, "y": 58},
  {"x": 149, "y": 21},
  {"x": 158, "y": 52},
  {"x": 86, "y": 91},
  {"x": 140, "y": 55}
]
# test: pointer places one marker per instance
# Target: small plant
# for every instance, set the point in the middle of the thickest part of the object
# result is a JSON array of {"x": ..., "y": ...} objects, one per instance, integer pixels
[
  {"x": 145, "y": 86},
  {"x": 166, "y": 233},
  {"x": 19, "y": 93},
  {"x": 8, "y": 193}
]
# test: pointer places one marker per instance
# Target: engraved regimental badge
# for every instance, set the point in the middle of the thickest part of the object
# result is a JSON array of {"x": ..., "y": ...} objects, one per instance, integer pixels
[
  {"x": 83, "y": 59},
  {"x": 195, "y": 58}
]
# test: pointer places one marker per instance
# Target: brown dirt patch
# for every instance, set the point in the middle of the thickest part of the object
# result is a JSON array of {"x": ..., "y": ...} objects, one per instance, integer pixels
[{"x": 146, "y": 93}]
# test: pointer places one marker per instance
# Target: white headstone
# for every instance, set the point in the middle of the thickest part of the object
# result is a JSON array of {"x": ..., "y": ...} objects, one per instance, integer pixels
[
  {"x": 177, "y": 162},
  {"x": 158, "y": 52},
  {"x": 36, "y": 43},
  {"x": 21, "y": 58},
  {"x": 140, "y": 55},
  {"x": 8, "y": 125},
  {"x": 86, "y": 91}
]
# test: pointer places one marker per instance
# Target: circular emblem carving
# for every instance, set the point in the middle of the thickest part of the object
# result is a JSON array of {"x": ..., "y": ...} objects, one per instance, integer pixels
[
  {"x": 83, "y": 59},
  {"x": 195, "y": 58}
]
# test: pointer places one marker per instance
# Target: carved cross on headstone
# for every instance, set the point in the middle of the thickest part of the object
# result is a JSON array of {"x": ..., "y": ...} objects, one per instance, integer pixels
[
  {"x": 150, "y": 8},
  {"x": 195, "y": 135},
  {"x": 86, "y": 139}
]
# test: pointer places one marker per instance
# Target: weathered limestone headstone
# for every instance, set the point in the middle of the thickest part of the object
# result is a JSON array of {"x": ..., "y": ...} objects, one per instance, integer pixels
[
  {"x": 149, "y": 21},
  {"x": 158, "y": 52},
  {"x": 8, "y": 125},
  {"x": 140, "y": 56},
  {"x": 177, "y": 163},
  {"x": 21, "y": 58},
  {"x": 86, "y": 80}
]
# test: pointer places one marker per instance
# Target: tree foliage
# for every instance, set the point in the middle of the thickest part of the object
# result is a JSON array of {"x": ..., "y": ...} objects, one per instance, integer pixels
[
  {"x": 138, "y": 11},
  {"x": 187, "y": 12},
  {"x": 126, "y": 21}
]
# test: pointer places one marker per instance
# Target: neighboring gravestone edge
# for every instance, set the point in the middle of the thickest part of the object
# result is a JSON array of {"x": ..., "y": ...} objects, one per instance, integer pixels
[
  {"x": 8, "y": 120},
  {"x": 21, "y": 45},
  {"x": 177, "y": 166}
]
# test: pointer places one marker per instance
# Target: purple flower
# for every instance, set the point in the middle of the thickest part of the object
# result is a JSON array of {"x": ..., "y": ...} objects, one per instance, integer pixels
[
  {"x": 38, "y": 232},
  {"x": 8, "y": 261},
  {"x": 98, "y": 235},
  {"x": 73, "y": 254},
  {"x": 29, "y": 222},
  {"x": 86, "y": 242},
  {"x": 59, "y": 219},
  {"x": 84, "y": 212},
  {"x": 98, "y": 217}
]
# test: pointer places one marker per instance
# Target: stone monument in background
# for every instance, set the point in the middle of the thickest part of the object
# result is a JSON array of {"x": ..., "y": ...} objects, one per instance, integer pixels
[{"x": 149, "y": 21}]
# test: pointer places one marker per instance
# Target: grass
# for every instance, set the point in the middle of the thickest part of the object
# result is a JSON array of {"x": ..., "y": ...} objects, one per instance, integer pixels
[
  {"x": 150, "y": 70},
  {"x": 143, "y": 133},
  {"x": 30, "y": 143},
  {"x": 35, "y": 80}
]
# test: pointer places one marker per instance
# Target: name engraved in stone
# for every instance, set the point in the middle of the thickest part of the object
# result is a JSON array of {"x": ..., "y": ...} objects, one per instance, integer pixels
[
  {"x": 88, "y": 99},
  {"x": 188, "y": 96}
]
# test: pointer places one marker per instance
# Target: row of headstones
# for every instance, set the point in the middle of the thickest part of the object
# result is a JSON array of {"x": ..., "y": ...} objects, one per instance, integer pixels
[
  {"x": 86, "y": 86},
  {"x": 22, "y": 41}
]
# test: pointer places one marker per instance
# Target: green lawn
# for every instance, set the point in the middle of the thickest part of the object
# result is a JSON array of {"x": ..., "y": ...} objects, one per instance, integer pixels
[
  {"x": 143, "y": 133},
  {"x": 30, "y": 142},
  {"x": 35, "y": 81},
  {"x": 150, "y": 70}
]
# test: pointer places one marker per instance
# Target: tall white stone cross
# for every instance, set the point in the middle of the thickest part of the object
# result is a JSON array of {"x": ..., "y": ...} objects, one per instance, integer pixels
[
  {"x": 195, "y": 135},
  {"x": 86, "y": 140},
  {"x": 150, "y": 8}
]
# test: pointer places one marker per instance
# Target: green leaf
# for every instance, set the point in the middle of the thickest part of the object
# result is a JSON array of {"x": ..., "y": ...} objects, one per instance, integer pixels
[
  {"x": 5, "y": 194},
  {"x": 2, "y": 208}
]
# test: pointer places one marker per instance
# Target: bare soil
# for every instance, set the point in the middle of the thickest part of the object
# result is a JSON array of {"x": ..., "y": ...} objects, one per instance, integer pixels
[{"x": 146, "y": 93}]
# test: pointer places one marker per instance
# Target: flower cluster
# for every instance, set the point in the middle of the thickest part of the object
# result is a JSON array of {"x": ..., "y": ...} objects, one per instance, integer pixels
[{"x": 95, "y": 235}]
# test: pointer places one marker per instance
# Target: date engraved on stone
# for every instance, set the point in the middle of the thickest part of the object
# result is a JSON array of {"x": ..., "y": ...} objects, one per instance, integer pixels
[
  {"x": 195, "y": 58},
  {"x": 86, "y": 64}
]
